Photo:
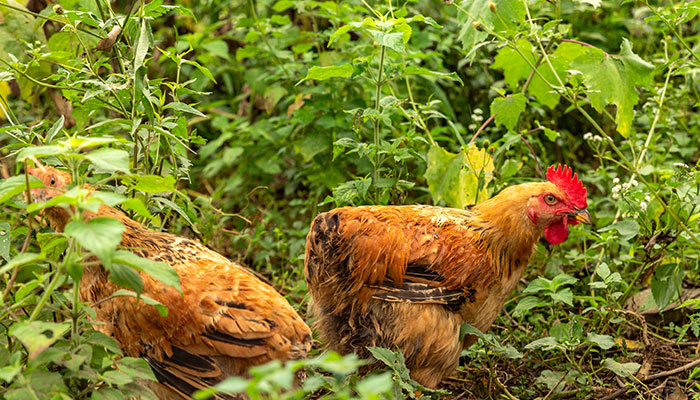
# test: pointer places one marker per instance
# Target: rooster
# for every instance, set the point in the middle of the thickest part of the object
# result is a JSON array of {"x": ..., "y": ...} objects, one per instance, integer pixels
[
  {"x": 408, "y": 277},
  {"x": 226, "y": 321}
]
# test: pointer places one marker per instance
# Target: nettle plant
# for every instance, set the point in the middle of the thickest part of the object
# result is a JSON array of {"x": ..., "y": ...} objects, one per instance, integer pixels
[{"x": 130, "y": 134}]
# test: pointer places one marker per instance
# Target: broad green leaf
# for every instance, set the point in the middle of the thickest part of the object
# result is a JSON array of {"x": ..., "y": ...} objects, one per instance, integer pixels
[
  {"x": 545, "y": 343},
  {"x": 33, "y": 335},
  {"x": 515, "y": 67},
  {"x": 342, "y": 30},
  {"x": 626, "y": 370},
  {"x": 99, "y": 235},
  {"x": 158, "y": 270},
  {"x": 21, "y": 259},
  {"x": 313, "y": 144},
  {"x": 414, "y": 70},
  {"x": 54, "y": 129},
  {"x": 527, "y": 304},
  {"x": 137, "y": 206},
  {"x": 110, "y": 159},
  {"x": 627, "y": 229},
  {"x": 162, "y": 308},
  {"x": 605, "y": 342},
  {"x": 126, "y": 277},
  {"x": 153, "y": 183},
  {"x": 459, "y": 179},
  {"x": 40, "y": 151},
  {"x": 666, "y": 283},
  {"x": 508, "y": 109},
  {"x": 468, "y": 329},
  {"x": 601, "y": 72},
  {"x": 538, "y": 285},
  {"x": 100, "y": 339},
  {"x": 393, "y": 40},
  {"x": 333, "y": 71},
  {"x": 562, "y": 280},
  {"x": 565, "y": 296}
]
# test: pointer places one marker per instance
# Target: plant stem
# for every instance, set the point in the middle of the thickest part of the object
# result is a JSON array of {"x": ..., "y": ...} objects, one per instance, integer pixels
[
  {"x": 58, "y": 21},
  {"x": 376, "y": 122},
  {"x": 47, "y": 293}
]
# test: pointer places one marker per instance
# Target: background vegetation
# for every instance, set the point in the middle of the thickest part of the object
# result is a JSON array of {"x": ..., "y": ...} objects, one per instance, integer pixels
[{"x": 236, "y": 122}]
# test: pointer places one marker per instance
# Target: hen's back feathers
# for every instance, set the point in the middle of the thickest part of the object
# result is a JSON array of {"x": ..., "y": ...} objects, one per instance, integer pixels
[{"x": 226, "y": 321}]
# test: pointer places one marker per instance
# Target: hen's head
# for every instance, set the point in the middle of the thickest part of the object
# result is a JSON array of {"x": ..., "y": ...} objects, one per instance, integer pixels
[
  {"x": 55, "y": 182},
  {"x": 558, "y": 203}
]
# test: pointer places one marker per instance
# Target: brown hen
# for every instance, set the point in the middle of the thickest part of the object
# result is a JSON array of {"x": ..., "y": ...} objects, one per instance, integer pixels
[
  {"x": 408, "y": 277},
  {"x": 227, "y": 320}
]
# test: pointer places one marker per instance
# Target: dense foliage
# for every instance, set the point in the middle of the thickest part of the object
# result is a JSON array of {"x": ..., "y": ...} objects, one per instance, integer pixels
[{"x": 236, "y": 122}]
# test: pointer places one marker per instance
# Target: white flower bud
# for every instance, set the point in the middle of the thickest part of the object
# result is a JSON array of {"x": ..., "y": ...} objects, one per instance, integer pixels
[
  {"x": 472, "y": 127},
  {"x": 643, "y": 206},
  {"x": 634, "y": 182},
  {"x": 615, "y": 196},
  {"x": 478, "y": 111},
  {"x": 587, "y": 136},
  {"x": 647, "y": 199},
  {"x": 616, "y": 180}
]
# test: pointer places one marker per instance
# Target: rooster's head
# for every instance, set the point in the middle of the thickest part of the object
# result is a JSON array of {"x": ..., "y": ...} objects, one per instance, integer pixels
[{"x": 559, "y": 203}]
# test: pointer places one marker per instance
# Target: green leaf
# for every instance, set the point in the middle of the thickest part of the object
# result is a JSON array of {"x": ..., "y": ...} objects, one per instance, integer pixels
[
  {"x": 666, "y": 283},
  {"x": 508, "y": 109},
  {"x": 627, "y": 229},
  {"x": 153, "y": 183},
  {"x": 142, "y": 44},
  {"x": 527, "y": 304},
  {"x": 54, "y": 129},
  {"x": 126, "y": 277},
  {"x": 415, "y": 70},
  {"x": 21, "y": 259},
  {"x": 333, "y": 71},
  {"x": 341, "y": 31},
  {"x": 459, "y": 179},
  {"x": 137, "y": 206},
  {"x": 110, "y": 159},
  {"x": 545, "y": 343},
  {"x": 40, "y": 151},
  {"x": 5, "y": 240},
  {"x": 313, "y": 144},
  {"x": 509, "y": 14},
  {"x": 33, "y": 335},
  {"x": 602, "y": 71},
  {"x": 176, "y": 105},
  {"x": 136, "y": 367},
  {"x": 15, "y": 185},
  {"x": 393, "y": 41},
  {"x": 158, "y": 270},
  {"x": 162, "y": 308},
  {"x": 99, "y": 235},
  {"x": 605, "y": 342},
  {"x": 626, "y": 370}
]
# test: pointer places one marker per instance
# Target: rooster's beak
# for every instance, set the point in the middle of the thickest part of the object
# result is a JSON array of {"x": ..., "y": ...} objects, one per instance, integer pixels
[{"x": 581, "y": 216}]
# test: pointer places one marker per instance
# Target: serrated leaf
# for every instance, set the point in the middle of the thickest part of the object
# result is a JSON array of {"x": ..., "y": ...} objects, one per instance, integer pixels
[
  {"x": 158, "y": 270},
  {"x": 605, "y": 342},
  {"x": 626, "y": 370},
  {"x": 340, "y": 31},
  {"x": 459, "y": 179},
  {"x": 33, "y": 335},
  {"x": 508, "y": 109},
  {"x": 509, "y": 14},
  {"x": 153, "y": 183},
  {"x": 99, "y": 235},
  {"x": 110, "y": 159},
  {"x": 627, "y": 229},
  {"x": 333, "y": 71},
  {"x": 125, "y": 277},
  {"x": 393, "y": 40},
  {"x": 526, "y": 304},
  {"x": 15, "y": 185},
  {"x": 415, "y": 70},
  {"x": 601, "y": 72}
]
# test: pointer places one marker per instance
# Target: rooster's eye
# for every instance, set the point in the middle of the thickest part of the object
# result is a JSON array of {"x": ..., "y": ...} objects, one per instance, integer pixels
[
  {"x": 549, "y": 199},
  {"x": 53, "y": 181}
]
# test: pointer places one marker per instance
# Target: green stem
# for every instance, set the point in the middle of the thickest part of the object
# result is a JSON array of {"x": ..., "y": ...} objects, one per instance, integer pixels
[
  {"x": 376, "y": 122},
  {"x": 47, "y": 293}
]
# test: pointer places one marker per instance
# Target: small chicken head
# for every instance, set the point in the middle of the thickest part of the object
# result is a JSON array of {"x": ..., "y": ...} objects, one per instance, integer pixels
[
  {"x": 564, "y": 205},
  {"x": 55, "y": 181}
]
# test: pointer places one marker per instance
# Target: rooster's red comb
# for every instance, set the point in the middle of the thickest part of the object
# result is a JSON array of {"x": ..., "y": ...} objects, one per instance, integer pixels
[{"x": 564, "y": 178}]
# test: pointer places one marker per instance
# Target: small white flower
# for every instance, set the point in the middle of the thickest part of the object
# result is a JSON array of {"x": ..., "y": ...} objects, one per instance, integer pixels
[
  {"x": 477, "y": 118},
  {"x": 616, "y": 180},
  {"x": 472, "y": 127},
  {"x": 587, "y": 136},
  {"x": 680, "y": 165},
  {"x": 634, "y": 182},
  {"x": 478, "y": 111},
  {"x": 647, "y": 199},
  {"x": 597, "y": 138},
  {"x": 615, "y": 196},
  {"x": 625, "y": 186},
  {"x": 643, "y": 206},
  {"x": 616, "y": 189}
]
